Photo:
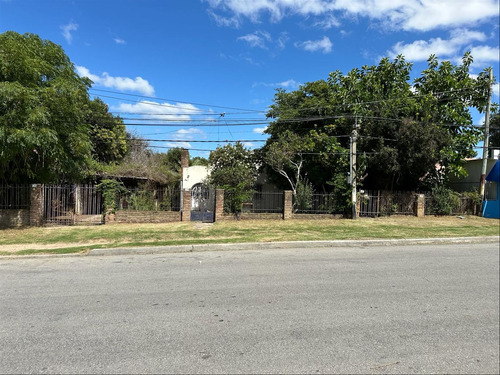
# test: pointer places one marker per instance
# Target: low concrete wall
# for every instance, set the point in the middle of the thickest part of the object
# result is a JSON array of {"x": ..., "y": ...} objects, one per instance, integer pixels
[
  {"x": 14, "y": 218},
  {"x": 131, "y": 216}
]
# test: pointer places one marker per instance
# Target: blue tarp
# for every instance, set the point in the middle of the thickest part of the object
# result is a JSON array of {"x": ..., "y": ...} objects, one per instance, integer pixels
[
  {"x": 494, "y": 174},
  {"x": 491, "y": 208}
]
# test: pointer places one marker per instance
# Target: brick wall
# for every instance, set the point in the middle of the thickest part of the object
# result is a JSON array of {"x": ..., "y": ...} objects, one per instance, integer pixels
[
  {"x": 14, "y": 218},
  {"x": 316, "y": 216},
  {"x": 251, "y": 216},
  {"x": 131, "y": 216}
]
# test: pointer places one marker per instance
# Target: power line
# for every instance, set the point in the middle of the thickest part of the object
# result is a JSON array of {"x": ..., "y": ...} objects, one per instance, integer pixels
[{"x": 177, "y": 101}]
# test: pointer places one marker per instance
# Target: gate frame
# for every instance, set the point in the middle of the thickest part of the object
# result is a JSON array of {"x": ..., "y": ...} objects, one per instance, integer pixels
[{"x": 205, "y": 196}]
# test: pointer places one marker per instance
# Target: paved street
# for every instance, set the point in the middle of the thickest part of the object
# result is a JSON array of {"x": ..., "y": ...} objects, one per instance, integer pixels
[{"x": 406, "y": 309}]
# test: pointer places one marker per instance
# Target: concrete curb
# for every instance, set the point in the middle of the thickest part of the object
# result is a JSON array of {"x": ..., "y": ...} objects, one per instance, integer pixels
[{"x": 288, "y": 245}]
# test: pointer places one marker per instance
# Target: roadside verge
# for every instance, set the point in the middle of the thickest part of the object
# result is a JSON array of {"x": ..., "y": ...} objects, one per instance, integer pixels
[{"x": 287, "y": 245}]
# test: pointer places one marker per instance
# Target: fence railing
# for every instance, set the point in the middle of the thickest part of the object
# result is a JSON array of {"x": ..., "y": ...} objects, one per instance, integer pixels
[
  {"x": 161, "y": 199},
  {"x": 385, "y": 203},
  {"x": 264, "y": 202},
  {"x": 463, "y": 205},
  {"x": 14, "y": 196},
  {"x": 315, "y": 204},
  {"x": 72, "y": 204}
]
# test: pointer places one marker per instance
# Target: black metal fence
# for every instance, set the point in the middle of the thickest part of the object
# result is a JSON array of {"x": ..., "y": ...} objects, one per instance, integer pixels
[
  {"x": 140, "y": 199},
  {"x": 14, "y": 196},
  {"x": 386, "y": 203},
  {"x": 72, "y": 204},
  {"x": 264, "y": 202},
  {"x": 316, "y": 204}
]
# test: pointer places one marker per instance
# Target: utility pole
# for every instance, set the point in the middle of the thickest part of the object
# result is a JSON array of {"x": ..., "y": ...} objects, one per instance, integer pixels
[
  {"x": 353, "y": 167},
  {"x": 486, "y": 141}
]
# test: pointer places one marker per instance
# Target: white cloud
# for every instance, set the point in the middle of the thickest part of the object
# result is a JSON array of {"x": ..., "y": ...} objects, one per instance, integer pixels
[
  {"x": 189, "y": 134},
  {"x": 224, "y": 21},
  {"x": 483, "y": 54},
  {"x": 250, "y": 145},
  {"x": 282, "y": 40},
  {"x": 119, "y": 41},
  {"x": 328, "y": 22},
  {"x": 257, "y": 39},
  {"x": 67, "y": 29},
  {"x": 160, "y": 111},
  {"x": 184, "y": 136},
  {"x": 496, "y": 90},
  {"x": 422, "y": 15},
  {"x": 324, "y": 45},
  {"x": 260, "y": 130},
  {"x": 137, "y": 84},
  {"x": 288, "y": 84},
  {"x": 420, "y": 50},
  {"x": 178, "y": 144}
]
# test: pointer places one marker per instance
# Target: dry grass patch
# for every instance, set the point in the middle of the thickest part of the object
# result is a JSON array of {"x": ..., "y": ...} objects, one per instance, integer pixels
[{"x": 84, "y": 238}]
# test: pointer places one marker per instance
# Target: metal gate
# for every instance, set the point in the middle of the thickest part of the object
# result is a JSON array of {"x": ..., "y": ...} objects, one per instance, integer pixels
[
  {"x": 72, "y": 204},
  {"x": 202, "y": 203}
]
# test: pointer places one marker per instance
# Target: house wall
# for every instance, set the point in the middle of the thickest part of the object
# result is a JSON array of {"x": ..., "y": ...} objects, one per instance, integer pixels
[
  {"x": 471, "y": 182},
  {"x": 193, "y": 175}
]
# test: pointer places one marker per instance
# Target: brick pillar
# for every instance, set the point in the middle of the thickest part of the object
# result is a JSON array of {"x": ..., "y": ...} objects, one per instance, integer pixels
[
  {"x": 36, "y": 205},
  {"x": 78, "y": 200},
  {"x": 219, "y": 204},
  {"x": 184, "y": 158},
  {"x": 419, "y": 205},
  {"x": 186, "y": 205},
  {"x": 287, "y": 204}
]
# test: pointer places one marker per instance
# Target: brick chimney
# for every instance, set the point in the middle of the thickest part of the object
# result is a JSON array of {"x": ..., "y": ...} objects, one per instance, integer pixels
[{"x": 184, "y": 158}]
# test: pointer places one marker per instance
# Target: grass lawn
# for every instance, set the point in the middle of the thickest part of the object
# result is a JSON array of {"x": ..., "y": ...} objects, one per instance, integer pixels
[{"x": 80, "y": 239}]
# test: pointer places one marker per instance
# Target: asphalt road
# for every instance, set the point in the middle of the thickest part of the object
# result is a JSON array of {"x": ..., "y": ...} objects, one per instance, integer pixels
[{"x": 409, "y": 309}]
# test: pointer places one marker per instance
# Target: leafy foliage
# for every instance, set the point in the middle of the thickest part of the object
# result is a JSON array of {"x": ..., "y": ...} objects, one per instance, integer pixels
[
  {"x": 43, "y": 133},
  {"x": 111, "y": 191},
  {"x": 443, "y": 201},
  {"x": 233, "y": 168},
  {"x": 495, "y": 132},
  {"x": 107, "y": 133},
  {"x": 405, "y": 129}
]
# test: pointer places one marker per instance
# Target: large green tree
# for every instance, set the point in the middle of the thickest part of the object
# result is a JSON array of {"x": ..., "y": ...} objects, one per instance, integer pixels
[
  {"x": 43, "y": 133},
  {"x": 234, "y": 168},
  {"x": 108, "y": 135},
  {"x": 404, "y": 128}
]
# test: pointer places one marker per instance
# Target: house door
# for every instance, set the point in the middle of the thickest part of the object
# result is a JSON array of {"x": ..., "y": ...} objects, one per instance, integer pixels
[{"x": 202, "y": 203}]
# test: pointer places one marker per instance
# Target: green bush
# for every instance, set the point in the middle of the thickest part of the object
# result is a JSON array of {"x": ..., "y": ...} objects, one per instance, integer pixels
[
  {"x": 111, "y": 191},
  {"x": 304, "y": 196},
  {"x": 444, "y": 200}
]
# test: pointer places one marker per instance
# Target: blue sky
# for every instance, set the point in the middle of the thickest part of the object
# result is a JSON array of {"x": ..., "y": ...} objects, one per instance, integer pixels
[{"x": 217, "y": 63}]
